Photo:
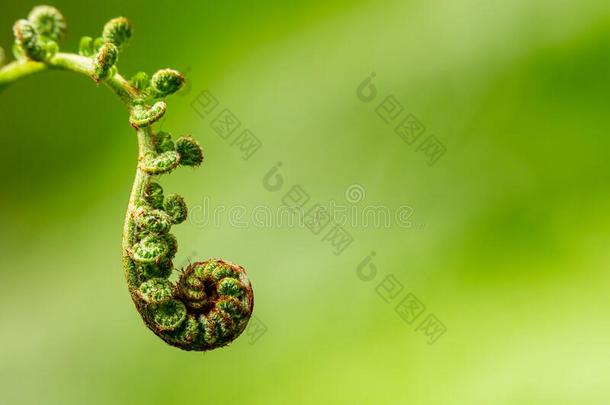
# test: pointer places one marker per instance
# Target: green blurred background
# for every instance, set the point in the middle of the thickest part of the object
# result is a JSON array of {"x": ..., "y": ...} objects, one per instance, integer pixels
[{"x": 508, "y": 243}]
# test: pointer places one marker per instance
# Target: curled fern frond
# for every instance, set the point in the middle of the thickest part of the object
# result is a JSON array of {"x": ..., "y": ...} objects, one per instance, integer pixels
[
  {"x": 190, "y": 151},
  {"x": 167, "y": 316},
  {"x": 49, "y": 22},
  {"x": 28, "y": 40},
  {"x": 153, "y": 195},
  {"x": 104, "y": 60},
  {"x": 162, "y": 269},
  {"x": 164, "y": 142},
  {"x": 218, "y": 294},
  {"x": 175, "y": 207},
  {"x": 211, "y": 302},
  {"x": 117, "y": 31},
  {"x": 152, "y": 220},
  {"x": 160, "y": 163},
  {"x": 150, "y": 249},
  {"x": 166, "y": 81},
  {"x": 156, "y": 290},
  {"x": 142, "y": 116}
]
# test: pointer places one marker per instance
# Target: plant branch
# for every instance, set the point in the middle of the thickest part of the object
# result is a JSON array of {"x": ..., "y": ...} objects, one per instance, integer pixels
[
  {"x": 14, "y": 71},
  {"x": 212, "y": 301}
]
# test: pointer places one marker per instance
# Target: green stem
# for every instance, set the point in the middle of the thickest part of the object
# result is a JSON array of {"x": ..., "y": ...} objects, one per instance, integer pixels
[
  {"x": 18, "y": 69},
  {"x": 67, "y": 61},
  {"x": 145, "y": 145}
]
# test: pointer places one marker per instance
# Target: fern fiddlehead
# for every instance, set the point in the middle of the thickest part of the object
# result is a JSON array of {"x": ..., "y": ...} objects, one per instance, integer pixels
[{"x": 211, "y": 302}]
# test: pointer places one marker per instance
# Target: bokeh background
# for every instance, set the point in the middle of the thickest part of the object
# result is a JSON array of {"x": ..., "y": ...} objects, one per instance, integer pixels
[{"x": 507, "y": 245}]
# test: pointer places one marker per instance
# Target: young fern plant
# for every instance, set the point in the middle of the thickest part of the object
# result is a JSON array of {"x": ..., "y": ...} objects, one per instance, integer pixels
[{"x": 211, "y": 302}]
